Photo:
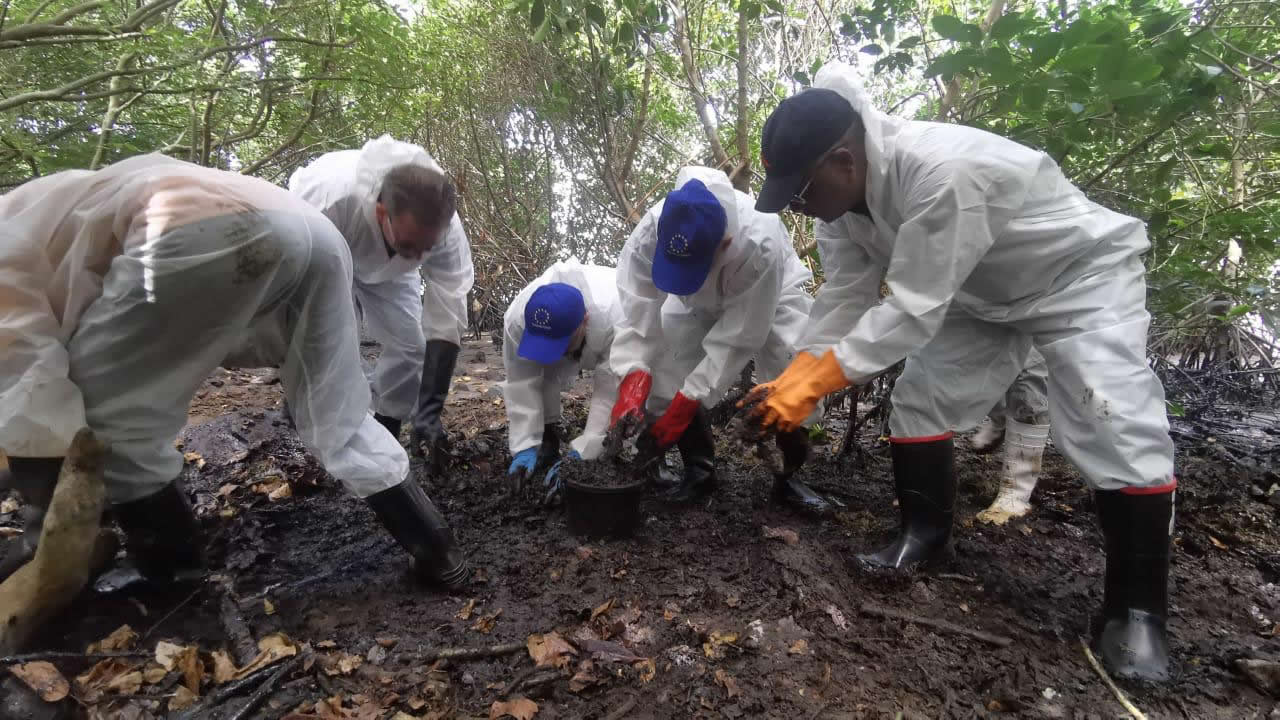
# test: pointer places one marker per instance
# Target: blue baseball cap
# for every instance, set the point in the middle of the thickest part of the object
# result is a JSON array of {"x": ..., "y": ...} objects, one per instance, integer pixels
[
  {"x": 690, "y": 229},
  {"x": 551, "y": 317}
]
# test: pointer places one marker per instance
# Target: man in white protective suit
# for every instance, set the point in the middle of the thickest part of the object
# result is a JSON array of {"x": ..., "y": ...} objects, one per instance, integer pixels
[
  {"x": 988, "y": 251},
  {"x": 559, "y": 324},
  {"x": 125, "y": 287},
  {"x": 396, "y": 208},
  {"x": 1020, "y": 422},
  {"x": 706, "y": 282}
]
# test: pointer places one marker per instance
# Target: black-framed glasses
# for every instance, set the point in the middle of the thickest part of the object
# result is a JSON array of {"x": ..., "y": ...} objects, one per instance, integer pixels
[{"x": 799, "y": 200}]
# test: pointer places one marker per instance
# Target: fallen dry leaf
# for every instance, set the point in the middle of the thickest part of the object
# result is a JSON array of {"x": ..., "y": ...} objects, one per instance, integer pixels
[
  {"x": 271, "y": 649},
  {"x": 1217, "y": 543},
  {"x": 733, "y": 601},
  {"x": 584, "y": 552},
  {"x": 153, "y": 673},
  {"x": 401, "y": 715},
  {"x": 520, "y": 708},
  {"x": 227, "y": 489},
  {"x": 44, "y": 679},
  {"x": 268, "y": 607},
  {"x": 182, "y": 699},
  {"x": 416, "y": 703},
  {"x": 191, "y": 668},
  {"x": 837, "y": 617},
  {"x": 603, "y": 608},
  {"x": 648, "y": 669},
  {"x": 799, "y": 647},
  {"x": 584, "y": 678},
  {"x": 93, "y": 683},
  {"x": 386, "y": 641},
  {"x": 127, "y": 684},
  {"x": 341, "y": 663},
  {"x": 8, "y": 506},
  {"x": 326, "y": 644},
  {"x": 284, "y": 490},
  {"x": 726, "y": 681},
  {"x": 194, "y": 457},
  {"x": 465, "y": 612},
  {"x": 485, "y": 623},
  {"x": 716, "y": 640},
  {"x": 167, "y": 654},
  {"x": 122, "y": 638},
  {"x": 550, "y": 650},
  {"x": 786, "y": 535}
]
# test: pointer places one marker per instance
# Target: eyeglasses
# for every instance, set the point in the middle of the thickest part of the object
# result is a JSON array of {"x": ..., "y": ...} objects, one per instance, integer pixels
[{"x": 799, "y": 200}]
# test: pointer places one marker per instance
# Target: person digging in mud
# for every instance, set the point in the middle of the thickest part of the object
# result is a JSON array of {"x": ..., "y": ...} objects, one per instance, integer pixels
[
  {"x": 1020, "y": 422},
  {"x": 705, "y": 283},
  {"x": 125, "y": 287},
  {"x": 988, "y": 251},
  {"x": 396, "y": 209},
  {"x": 561, "y": 322}
]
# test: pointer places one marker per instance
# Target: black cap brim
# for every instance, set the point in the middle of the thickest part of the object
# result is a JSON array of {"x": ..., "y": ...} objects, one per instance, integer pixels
[{"x": 778, "y": 191}]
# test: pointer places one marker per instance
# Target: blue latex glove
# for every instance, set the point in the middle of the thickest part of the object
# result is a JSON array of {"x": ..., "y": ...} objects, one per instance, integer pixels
[
  {"x": 553, "y": 484},
  {"x": 521, "y": 467}
]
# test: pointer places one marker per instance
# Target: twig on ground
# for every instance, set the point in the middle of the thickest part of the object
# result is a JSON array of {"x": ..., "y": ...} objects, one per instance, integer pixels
[
  {"x": 258, "y": 697},
  {"x": 227, "y": 691},
  {"x": 519, "y": 678},
  {"x": 1106, "y": 680},
  {"x": 463, "y": 653},
  {"x": 169, "y": 614},
  {"x": 243, "y": 646},
  {"x": 957, "y": 577},
  {"x": 890, "y": 614},
  {"x": 622, "y": 710},
  {"x": 55, "y": 655}
]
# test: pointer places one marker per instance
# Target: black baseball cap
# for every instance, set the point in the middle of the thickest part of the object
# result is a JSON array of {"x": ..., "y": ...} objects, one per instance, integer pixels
[{"x": 797, "y": 133}]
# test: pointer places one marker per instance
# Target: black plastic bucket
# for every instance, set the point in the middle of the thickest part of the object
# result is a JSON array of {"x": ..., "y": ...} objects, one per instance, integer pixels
[{"x": 594, "y": 511}]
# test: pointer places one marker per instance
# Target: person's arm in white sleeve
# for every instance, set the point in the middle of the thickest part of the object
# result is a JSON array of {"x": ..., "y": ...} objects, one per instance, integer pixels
[
  {"x": 851, "y": 287},
  {"x": 522, "y": 393},
  {"x": 604, "y": 391},
  {"x": 639, "y": 335},
  {"x": 739, "y": 333},
  {"x": 947, "y": 229},
  {"x": 449, "y": 276}
]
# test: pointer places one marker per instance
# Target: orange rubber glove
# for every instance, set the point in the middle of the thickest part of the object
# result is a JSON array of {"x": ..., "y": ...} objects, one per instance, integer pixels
[
  {"x": 802, "y": 362},
  {"x": 794, "y": 396}
]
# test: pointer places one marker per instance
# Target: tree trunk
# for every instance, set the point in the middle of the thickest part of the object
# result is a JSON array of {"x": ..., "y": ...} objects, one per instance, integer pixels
[{"x": 694, "y": 78}]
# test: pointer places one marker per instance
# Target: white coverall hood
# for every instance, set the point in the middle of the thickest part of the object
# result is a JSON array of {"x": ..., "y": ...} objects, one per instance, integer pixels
[{"x": 532, "y": 390}]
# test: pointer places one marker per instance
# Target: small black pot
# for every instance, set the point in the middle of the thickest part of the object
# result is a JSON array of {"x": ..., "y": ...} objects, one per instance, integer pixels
[{"x": 603, "y": 511}]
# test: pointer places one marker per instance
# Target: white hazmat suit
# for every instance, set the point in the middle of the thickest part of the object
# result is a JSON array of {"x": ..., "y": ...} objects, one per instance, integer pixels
[
  {"x": 399, "y": 310},
  {"x": 532, "y": 390},
  {"x": 123, "y": 288},
  {"x": 753, "y": 303},
  {"x": 988, "y": 250}
]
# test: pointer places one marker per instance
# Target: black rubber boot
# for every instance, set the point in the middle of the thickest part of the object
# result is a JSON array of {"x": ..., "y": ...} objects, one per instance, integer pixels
[
  {"x": 415, "y": 522},
  {"x": 925, "y": 480},
  {"x": 391, "y": 424},
  {"x": 698, "y": 451},
  {"x": 428, "y": 436},
  {"x": 789, "y": 490},
  {"x": 162, "y": 534},
  {"x": 34, "y": 479},
  {"x": 1131, "y": 637}
]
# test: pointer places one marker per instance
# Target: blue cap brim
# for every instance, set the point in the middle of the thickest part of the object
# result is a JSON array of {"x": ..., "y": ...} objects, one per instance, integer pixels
[
  {"x": 543, "y": 349},
  {"x": 683, "y": 278}
]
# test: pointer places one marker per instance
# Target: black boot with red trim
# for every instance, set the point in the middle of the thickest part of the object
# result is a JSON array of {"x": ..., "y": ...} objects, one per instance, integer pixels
[{"x": 925, "y": 480}]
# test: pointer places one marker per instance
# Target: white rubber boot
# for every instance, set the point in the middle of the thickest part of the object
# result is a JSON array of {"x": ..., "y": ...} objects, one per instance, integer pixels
[
  {"x": 988, "y": 435},
  {"x": 1023, "y": 457}
]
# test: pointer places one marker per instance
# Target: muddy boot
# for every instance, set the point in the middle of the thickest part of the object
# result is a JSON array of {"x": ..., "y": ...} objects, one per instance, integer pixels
[
  {"x": 698, "y": 451},
  {"x": 1023, "y": 458},
  {"x": 1132, "y": 640},
  {"x": 162, "y": 535},
  {"x": 34, "y": 479},
  {"x": 989, "y": 435},
  {"x": 925, "y": 481},
  {"x": 787, "y": 489},
  {"x": 428, "y": 437},
  {"x": 415, "y": 523},
  {"x": 549, "y": 450},
  {"x": 391, "y": 424}
]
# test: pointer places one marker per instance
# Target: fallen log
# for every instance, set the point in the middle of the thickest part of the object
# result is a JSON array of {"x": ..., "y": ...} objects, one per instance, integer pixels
[
  {"x": 890, "y": 614},
  {"x": 60, "y": 568}
]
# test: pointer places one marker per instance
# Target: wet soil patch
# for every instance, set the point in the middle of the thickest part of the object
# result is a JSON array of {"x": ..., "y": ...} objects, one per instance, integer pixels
[{"x": 605, "y": 475}]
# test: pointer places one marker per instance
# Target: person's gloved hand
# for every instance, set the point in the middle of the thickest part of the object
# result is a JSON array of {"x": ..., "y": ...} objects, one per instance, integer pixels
[
  {"x": 553, "y": 483},
  {"x": 794, "y": 396},
  {"x": 522, "y": 466},
  {"x": 666, "y": 430},
  {"x": 802, "y": 362},
  {"x": 633, "y": 391}
]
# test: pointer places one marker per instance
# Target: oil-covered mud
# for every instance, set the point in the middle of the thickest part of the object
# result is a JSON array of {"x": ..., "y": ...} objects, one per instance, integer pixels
[
  {"x": 743, "y": 608},
  {"x": 603, "y": 474}
]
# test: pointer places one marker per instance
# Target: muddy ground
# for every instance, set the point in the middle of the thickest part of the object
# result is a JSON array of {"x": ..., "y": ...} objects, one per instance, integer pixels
[{"x": 743, "y": 609}]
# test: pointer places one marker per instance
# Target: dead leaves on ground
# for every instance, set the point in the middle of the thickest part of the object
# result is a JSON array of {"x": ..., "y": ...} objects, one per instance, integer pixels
[
  {"x": 519, "y": 708},
  {"x": 44, "y": 679},
  {"x": 550, "y": 650}
]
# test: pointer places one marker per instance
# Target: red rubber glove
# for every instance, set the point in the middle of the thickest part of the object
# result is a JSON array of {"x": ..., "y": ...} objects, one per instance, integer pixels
[
  {"x": 668, "y": 428},
  {"x": 632, "y": 394}
]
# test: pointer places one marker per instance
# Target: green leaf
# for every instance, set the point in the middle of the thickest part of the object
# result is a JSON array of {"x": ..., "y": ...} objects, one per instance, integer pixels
[
  {"x": 872, "y": 49},
  {"x": 1080, "y": 59},
  {"x": 801, "y": 77},
  {"x": 595, "y": 14},
  {"x": 1034, "y": 95},
  {"x": 1008, "y": 26},
  {"x": 1045, "y": 48},
  {"x": 909, "y": 43},
  {"x": 776, "y": 6},
  {"x": 888, "y": 32},
  {"x": 537, "y": 13},
  {"x": 754, "y": 10},
  {"x": 1121, "y": 89},
  {"x": 949, "y": 64},
  {"x": 1239, "y": 310},
  {"x": 952, "y": 28},
  {"x": 1141, "y": 69},
  {"x": 541, "y": 33},
  {"x": 626, "y": 34},
  {"x": 1175, "y": 409},
  {"x": 1159, "y": 221}
]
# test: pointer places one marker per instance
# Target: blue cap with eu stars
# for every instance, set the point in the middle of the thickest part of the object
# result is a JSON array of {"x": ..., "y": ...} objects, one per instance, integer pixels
[
  {"x": 551, "y": 317},
  {"x": 690, "y": 229}
]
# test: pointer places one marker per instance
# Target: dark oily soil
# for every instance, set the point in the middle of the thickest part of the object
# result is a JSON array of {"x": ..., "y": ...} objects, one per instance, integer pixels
[
  {"x": 710, "y": 611},
  {"x": 600, "y": 474}
]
